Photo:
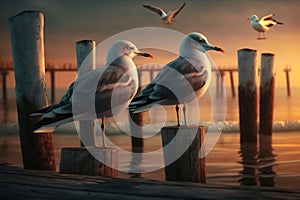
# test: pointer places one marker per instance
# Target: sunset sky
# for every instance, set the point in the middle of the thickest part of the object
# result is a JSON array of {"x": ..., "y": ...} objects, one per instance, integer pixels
[{"x": 223, "y": 22}]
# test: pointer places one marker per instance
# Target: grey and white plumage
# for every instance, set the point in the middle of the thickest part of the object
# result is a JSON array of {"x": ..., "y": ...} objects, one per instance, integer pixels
[
  {"x": 181, "y": 80},
  {"x": 168, "y": 18},
  {"x": 263, "y": 24},
  {"x": 118, "y": 77}
]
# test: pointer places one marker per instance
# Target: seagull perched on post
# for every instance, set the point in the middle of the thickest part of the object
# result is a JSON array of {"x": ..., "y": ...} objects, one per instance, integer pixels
[
  {"x": 262, "y": 25},
  {"x": 180, "y": 81},
  {"x": 115, "y": 83},
  {"x": 166, "y": 17}
]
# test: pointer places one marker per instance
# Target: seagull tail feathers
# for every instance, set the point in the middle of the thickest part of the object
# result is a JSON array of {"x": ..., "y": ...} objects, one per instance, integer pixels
[
  {"x": 40, "y": 112},
  {"x": 281, "y": 23},
  {"x": 47, "y": 125}
]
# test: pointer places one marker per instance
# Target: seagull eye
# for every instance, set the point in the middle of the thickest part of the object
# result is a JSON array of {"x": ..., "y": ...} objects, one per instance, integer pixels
[{"x": 201, "y": 40}]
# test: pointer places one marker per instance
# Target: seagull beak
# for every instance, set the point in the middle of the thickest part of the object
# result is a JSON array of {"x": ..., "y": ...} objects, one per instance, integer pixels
[
  {"x": 144, "y": 54},
  {"x": 248, "y": 18},
  {"x": 217, "y": 49}
]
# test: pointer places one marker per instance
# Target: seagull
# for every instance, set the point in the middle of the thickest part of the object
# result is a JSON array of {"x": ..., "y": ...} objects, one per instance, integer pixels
[
  {"x": 118, "y": 77},
  {"x": 263, "y": 24},
  {"x": 181, "y": 80},
  {"x": 167, "y": 18}
]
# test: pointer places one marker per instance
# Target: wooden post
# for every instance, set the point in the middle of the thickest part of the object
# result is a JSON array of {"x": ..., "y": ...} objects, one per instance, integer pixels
[
  {"x": 287, "y": 70},
  {"x": 137, "y": 143},
  {"x": 222, "y": 73},
  {"x": 4, "y": 73},
  {"x": 247, "y": 68},
  {"x": 232, "y": 83},
  {"x": 151, "y": 75},
  {"x": 52, "y": 82},
  {"x": 27, "y": 39},
  {"x": 83, "y": 49},
  {"x": 266, "y": 101},
  {"x": 188, "y": 167},
  {"x": 79, "y": 160},
  {"x": 217, "y": 83}
]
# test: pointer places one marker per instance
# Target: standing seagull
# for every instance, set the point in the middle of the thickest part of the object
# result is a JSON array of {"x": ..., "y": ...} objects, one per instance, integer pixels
[
  {"x": 263, "y": 24},
  {"x": 116, "y": 84},
  {"x": 180, "y": 81},
  {"x": 167, "y": 18}
]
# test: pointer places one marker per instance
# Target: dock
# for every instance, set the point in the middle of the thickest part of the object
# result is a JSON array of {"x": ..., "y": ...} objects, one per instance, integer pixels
[{"x": 17, "y": 183}]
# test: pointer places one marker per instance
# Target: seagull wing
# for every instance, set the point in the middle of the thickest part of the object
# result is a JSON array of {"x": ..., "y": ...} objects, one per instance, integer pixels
[
  {"x": 179, "y": 77},
  {"x": 55, "y": 115},
  {"x": 115, "y": 89},
  {"x": 175, "y": 12},
  {"x": 176, "y": 81},
  {"x": 155, "y": 9},
  {"x": 267, "y": 17},
  {"x": 267, "y": 20},
  {"x": 60, "y": 108}
]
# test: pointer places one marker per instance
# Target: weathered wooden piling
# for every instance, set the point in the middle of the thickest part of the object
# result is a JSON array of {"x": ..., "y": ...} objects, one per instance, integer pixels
[
  {"x": 232, "y": 84},
  {"x": 88, "y": 159},
  {"x": 137, "y": 141},
  {"x": 266, "y": 96},
  {"x": 136, "y": 128},
  {"x": 4, "y": 73},
  {"x": 27, "y": 39},
  {"x": 80, "y": 161},
  {"x": 189, "y": 166},
  {"x": 83, "y": 49},
  {"x": 287, "y": 70},
  {"x": 52, "y": 85},
  {"x": 247, "y": 72}
]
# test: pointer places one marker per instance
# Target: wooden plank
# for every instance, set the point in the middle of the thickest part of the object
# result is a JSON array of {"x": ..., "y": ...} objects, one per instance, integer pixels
[{"x": 16, "y": 183}]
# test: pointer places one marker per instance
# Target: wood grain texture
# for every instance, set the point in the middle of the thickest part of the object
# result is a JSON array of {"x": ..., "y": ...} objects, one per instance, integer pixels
[
  {"x": 17, "y": 183},
  {"x": 78, "y": 160},
  {"x": 188, "y": 167}
]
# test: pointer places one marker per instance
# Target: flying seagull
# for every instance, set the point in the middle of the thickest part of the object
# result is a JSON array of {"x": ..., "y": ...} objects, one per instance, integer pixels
[
  {"x": 167, "y": 18},
  {"x": 117, "y": 77},
  {"x": 180, "y": 81},
  {"x": 262, "y": 25}
]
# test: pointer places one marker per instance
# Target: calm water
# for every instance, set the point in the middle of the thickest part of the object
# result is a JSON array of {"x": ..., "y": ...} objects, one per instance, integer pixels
[
  {"x": 286, "y": 110},
  {"x": 273, "y": 163}
]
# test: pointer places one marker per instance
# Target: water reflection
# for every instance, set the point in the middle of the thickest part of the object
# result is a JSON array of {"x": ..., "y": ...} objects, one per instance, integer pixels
[
  {"x": 248, "y": 154},
  {"x": 258, "y": 163},
  {"x": 266, "y": 161},
  {"x": 4, "y": 113}
]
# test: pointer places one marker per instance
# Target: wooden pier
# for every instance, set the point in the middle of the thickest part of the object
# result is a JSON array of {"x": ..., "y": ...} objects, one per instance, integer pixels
[
  {"x": 5, "y": 68},
  {"x": 17, "y": 183}
]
